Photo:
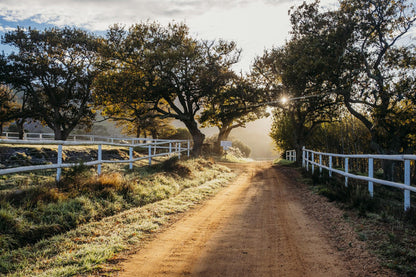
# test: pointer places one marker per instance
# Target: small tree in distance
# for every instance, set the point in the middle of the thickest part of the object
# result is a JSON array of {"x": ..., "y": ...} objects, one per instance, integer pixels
[{"x": 232, "y": 107}]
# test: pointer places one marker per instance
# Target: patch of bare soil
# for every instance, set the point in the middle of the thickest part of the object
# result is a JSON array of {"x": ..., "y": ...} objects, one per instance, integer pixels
[{"x": 263, "y": 224}]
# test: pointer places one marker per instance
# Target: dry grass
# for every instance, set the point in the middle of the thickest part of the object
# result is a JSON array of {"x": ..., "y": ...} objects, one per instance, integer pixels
[{"x": 98, "y": 217}]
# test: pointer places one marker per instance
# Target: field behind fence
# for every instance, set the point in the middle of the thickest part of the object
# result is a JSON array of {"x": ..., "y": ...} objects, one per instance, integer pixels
[{"x": 38, "y": 152}]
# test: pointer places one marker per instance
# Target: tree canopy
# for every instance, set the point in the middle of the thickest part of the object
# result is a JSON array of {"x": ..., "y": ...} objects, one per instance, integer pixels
[
  {"x": 380, "y": 66},
  {"x": 302, "y": 69},
  {"x": 168, "y": 69},
  {"x": 358, "y": 54},
  {"x": 232, "y": 107},
  {"x": 54, "y": 69},
  {"x": 8, "y": 106}
]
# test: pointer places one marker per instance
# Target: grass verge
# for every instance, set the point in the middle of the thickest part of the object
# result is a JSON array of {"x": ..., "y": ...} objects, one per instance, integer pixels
[
  {"x": 108, "y": 214},
  {"x": 284, "y": 162},
  {"x": 389, "y": 231}
]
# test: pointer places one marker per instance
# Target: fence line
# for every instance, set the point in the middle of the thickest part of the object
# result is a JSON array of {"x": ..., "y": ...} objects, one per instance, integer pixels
[
  {"x": 81, "y": 137},
  {"x": 165, "y": 147},
  {"x": 309, "y": 160},
  {"x": 291, "y": 155}
]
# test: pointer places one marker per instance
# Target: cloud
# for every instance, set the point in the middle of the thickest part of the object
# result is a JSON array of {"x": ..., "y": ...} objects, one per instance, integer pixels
[
  {"x": 4, "y": 29},
  {"x": 99, "y": 14}
]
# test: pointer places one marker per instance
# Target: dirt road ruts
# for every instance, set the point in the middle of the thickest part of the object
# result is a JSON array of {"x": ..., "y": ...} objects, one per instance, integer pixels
[{"x": 257, "y": 226}]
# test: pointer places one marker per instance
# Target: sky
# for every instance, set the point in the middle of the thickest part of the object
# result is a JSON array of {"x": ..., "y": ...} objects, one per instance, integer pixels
[{"x": 255, "y": 25}]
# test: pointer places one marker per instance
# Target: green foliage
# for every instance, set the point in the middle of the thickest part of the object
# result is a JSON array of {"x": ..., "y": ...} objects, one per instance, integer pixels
[
  {"x": 240, "y": 149},
  {"x": 244, "y": 148},
  {"x": 284, "y": 162},
  {"x": 180, "y": 134},
  {"x": 54, "y": 69},
  {"x": 238, "y": 103},
  {"x": 282, "y": 132},
  {"x": 165, "y": 70},
  {"x": 8, "y": 106},
  {"x": 354, "y": 55},
  {"x": 300, "y": 70},
  {"x": 347, "y": 136}
]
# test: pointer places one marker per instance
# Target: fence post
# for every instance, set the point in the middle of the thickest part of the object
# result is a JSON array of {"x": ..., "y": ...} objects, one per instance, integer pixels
[
  {"x": 100, "y": 157},
  {"x": 150, "y": 154},
  {"x": 307, "y": 160},
  {"x": 346, "y": 171},
  {"x": 330, "y": 166},
  {"x": 407, "y": 183},
  {"x": 371, "y": 175},
  {"x": 320, "y": 164},
  {"x": 131, "y": 157},
  {"x": 312, "y": 163},
  {"x": 189, "y": 150},
  {"x": 170, "y": 148},
  {"x": 59, "y": 162},
  {"x": 179, "y": 152},
  {"x": 303, "y": 156}
]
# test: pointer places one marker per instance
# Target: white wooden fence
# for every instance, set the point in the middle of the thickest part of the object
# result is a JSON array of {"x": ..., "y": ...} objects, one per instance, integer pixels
[
  {"x": 154, "y": 147},
  {"x": 291, "y": 155},
  {"x": 80, "y": 137},
  {"x": 311, "y": 158}
]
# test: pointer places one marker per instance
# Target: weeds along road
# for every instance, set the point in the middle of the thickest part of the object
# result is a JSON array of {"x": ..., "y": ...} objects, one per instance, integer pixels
[{"x": 257, "y": 226}]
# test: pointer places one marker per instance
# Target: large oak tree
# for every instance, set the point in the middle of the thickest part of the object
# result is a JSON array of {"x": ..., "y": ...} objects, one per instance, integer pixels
[
  {"x": 168, "y": 69},
  {"x": 54, "y": 69}
]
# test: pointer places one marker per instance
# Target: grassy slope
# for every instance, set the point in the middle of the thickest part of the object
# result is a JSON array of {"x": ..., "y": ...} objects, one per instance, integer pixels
[
  {"x": 88, "y": 246},
  {"x": 380, "y": 221}
]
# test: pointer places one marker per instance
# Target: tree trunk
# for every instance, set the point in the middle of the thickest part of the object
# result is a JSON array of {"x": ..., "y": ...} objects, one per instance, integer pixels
[
  {"x": 61, "y": 134},
  {"x": 298, "y": 149},
  {"x": 138, "y": 132},
  {"x": 153, "y": 133},
  {"x": 20, "y": 127},
  {"x": 197, "y": 136},
  {"x": 223, "y": 134}
]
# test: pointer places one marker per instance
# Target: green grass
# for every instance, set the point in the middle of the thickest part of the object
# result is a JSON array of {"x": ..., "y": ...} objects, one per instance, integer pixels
[
  {"x": 234, "y": 159},
  {"x": 83, "y": 222},
  {"x": 283, "y": 162}
]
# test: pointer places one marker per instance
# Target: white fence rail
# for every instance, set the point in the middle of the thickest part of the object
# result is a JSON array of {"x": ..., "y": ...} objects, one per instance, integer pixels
[
  {"x": 81, "y": 137},
  {"x": 311, "y": 158},
  {"x": 291, "y": 155},
  {"x": 154, "y": 147}
]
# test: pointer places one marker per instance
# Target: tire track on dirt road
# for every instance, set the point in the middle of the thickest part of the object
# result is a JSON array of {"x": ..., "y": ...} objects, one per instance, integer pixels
[{"x": 254, "y": 227}]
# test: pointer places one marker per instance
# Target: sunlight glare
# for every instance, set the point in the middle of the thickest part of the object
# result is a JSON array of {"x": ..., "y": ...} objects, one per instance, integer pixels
[{"x": 284, "y": 100}]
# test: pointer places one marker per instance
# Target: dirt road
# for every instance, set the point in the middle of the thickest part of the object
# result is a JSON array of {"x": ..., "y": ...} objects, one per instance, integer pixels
[{"x": 257, "y": 226}]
